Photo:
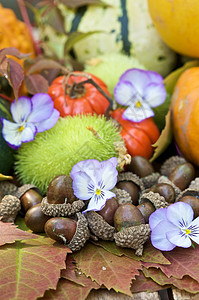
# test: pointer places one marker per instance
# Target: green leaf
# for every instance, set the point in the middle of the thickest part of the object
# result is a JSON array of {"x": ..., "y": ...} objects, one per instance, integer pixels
[
  {"x": 75, "y": 37},
  {"x": 164, "y": 140},
  {"x": 78, "y": 3}
]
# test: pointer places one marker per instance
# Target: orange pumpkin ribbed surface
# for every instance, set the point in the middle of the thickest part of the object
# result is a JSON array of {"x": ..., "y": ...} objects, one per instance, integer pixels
[
  {"x": 177, "y": 23},
  {"x": 184, "y": 114},
  {"x": 13, "y": 33}
]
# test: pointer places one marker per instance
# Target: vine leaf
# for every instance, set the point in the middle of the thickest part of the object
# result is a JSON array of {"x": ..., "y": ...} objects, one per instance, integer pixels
[{"x": 108, "y": 269}]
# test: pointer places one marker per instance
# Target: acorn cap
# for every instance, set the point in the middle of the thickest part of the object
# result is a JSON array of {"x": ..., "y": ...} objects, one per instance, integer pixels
[
  {"x": 8, "y": 188},
  {"x": 9, "y": 208},
  {"x": 170, "y": 164},
  {"x": 133, "y": 237},
  {"x": 164, "y": 179},
  {"x": 99, "y": 227},
  {"x": 150, "y": 180},
  {"x": 192, "y": 190},
  {"x": 156, "y": 199},
  {"x": 122, "y": 196},
  {"x": 23, "y": 189},
  {"x": 61, "y": 210},
  {"x": 129, "y": 176},
  {"x": 81, "y": 235},
  {"x": 194, "y": 184}
]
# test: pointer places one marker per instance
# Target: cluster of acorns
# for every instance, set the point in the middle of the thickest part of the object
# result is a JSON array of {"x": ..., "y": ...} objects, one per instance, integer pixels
[{"x": 124, "y": 219}]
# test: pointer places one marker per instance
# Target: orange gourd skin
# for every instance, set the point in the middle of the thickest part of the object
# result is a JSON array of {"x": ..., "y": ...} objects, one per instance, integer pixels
[
  {"x": 91, "y": 101},
  {"x": 185, "y": 114},
  {"x": 138, "y": 136}
]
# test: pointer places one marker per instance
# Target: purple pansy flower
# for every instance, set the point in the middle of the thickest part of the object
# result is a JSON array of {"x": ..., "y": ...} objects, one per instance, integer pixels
[
  {"x": 93, "y": 180},
  {"x": 139, "y": 90},
  {"x": 174, "y": 226},
  {"x": 31, "y": 115}
]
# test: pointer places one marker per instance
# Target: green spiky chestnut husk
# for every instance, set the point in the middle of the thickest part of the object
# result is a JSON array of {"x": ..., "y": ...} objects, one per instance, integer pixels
[{"x": 57, "y": 150}]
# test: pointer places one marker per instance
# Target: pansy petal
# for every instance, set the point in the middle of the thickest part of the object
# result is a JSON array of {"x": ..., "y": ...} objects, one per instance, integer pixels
[
  {"x": 113, "y": 160},
  {"x": 42, "y": 108},
  {"x": 83, "y": 186},
  {"x": 156, "y": 217},
  {"x": 194, "y": 227},
  {"x": 108, "y": 175},
  {"x": 124, "y": 93},
  {"x": 179, "y": 238},
  {"x": 28, "y": 133},
  {"x": 21, "y": 109},
  {"x": 138, "y": 114},
  {"x": 95, "y": 203},
  {"x": 180, "y": 214},
  {"x": 48, "y": 123},
  {"x": 155, "y": 77},
  {"x": 139, "y": 78},
  {"x": 158, "y": 236},
  {"x": 89, "y": 166},
  {"x": 155, "y": 94}
]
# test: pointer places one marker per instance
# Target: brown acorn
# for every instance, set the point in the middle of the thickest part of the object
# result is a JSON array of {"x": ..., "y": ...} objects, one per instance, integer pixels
[
  {"x": 131, "y": 188},
  {"x": 108, "y": 211},
  {"x": 60, "y": 190},
  {"x": 29, "y": 196},
  {"x": 165, "y": 190},
  {"x": 193, "y": 202},
  {"x": 35, "y": 219},
  {"x": 127, "y": 215},
  {"x": 182, "y": 175},
  {"x": 140, "y": 166},
  {"x": 61, "y": 229},
  {"x": 146, "y": 209}
]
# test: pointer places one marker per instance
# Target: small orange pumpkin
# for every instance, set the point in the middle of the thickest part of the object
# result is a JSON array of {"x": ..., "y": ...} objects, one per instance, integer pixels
[
  {"x": 184, "y": 114},
  {"x": 138, "y": 136}
]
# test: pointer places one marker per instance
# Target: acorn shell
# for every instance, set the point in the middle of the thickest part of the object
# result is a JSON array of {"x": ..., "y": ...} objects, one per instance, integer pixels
[
  {"x": 61, "y": 210},
  {"x": 23, "y": 189},
  {"x": 170, "y": 164},
  {"x": 164, "y": 179},
  {"x": 133, "y": 237},
  {"x": 8, "y": 188},
  {"x": 9, "y": 207},
  {"x": 99, "y": 227},
  {"x": 155, "y": 198},
  {"x": 129, "y": 176},
  {"x": 81, "y": 235},
  {"x": 150, "y": 180},
  {"x": 190, "y": 191},
  {"x": 122, "y": 196}
]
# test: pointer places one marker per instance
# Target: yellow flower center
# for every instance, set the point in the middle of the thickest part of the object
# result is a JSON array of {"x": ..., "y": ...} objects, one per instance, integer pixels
[
  {"x": 187, "y": 231},
  {"x": 98, "y": 192},
  {"x": 138, "y": 104},
  {"x": 21, "y": 128}
]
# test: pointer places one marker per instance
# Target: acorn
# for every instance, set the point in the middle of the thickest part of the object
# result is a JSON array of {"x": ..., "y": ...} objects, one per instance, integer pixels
[
  {"x": 29, "y": 196},
  {"x": 170, "y": 164},
  {"x": 165, "y": 179},
  {"x": 60, "y": 190},
  {"x": 35, "y": 219},
  {"x": 182, "y": 175},
  {"x": 127, "y": 215},
  {"x": 156, "y": 199},
  {"x": 9, "y": 207},
  {"x": 72, "y": 232},
  {"x": 131, "y": 188},
  {"x": 8, "y": 188},
  {"x": 61, "y": 229},
  {"x": 165, "y": 190},
  {"x": 193, "y": 202},
  {"x": 140, "y": 166},
  {"x": 108, "y": 211},
  {"x": 146, "y": 209}
]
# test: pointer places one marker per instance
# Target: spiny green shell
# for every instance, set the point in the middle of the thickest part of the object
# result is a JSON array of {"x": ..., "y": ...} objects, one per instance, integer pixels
[{"x": 56, "y": 151}]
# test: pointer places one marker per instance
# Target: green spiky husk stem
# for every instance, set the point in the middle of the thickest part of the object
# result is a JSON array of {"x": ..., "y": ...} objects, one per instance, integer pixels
[{"x": 56, "y": 151}]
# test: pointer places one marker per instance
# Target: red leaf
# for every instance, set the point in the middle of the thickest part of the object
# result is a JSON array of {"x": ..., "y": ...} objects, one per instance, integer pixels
[
  {"x": 143, "y": 284},
  {"x": 36, "y": 83},
  {"x": 9, "y": 233},
  {"x": 186, "y": 283},
  {"x": 71, "y": 272},
  {"x": 29, "y": 269},
  {"x": 68, "y": 290},
  {"x": 108, "y": 269},
  {"x": 15, "y": 75},
  {"x": 150, "y": 254},
  {"x": 12, "y": 51}
]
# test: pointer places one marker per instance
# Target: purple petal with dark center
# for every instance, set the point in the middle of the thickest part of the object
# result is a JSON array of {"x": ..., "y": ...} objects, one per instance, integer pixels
[
  {"x": 180, "y": 214},
  {"x": 155, "y": 94},
  {"x": 124, "y": 92},
  {"x": 83, "y": 186},
  {"x": 158, "y": 236},
  {"x": 138, "y": 114},
  {"x": 156, "y": 217},
  {"x": 42, "y": 108},
  {"x": 179, "y": 238},
  {"x": 48, "y": 123},
  {"x": 21, "y": 109}
]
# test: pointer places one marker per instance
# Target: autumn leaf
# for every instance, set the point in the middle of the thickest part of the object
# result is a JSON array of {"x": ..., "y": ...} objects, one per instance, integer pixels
[
  {"x": 186, "y": 283},
  {"x": 36, "y": 83},
  {"x": 9, "y": 233},
  {"x": 108, "y": 269},
  {"x": 143, "y": 284},
  {"x": 71, "y": 272},
  {"x": 68, "y": 290},
  {"x": 150, "y": 253},
  {"x": 30, "y": 268},
  {"x": 164, "y": 140},
  {"x": 78, "y": 3}
]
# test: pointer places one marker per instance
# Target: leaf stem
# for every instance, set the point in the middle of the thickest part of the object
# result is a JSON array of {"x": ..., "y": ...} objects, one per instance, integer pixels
[{"x": 6, "y": 97}]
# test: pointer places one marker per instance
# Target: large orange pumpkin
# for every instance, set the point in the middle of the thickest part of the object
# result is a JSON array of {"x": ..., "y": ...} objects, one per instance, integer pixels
[{"x": 185, "y": 114}]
